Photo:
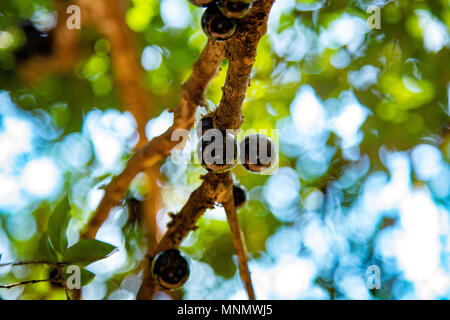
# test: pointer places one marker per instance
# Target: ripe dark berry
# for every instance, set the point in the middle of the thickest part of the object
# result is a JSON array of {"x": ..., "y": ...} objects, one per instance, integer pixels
[
  {"x": 235, "y": 9},
  {"x": 201, "y": 3},
  {"x": 37, "y": 43},
  {"x": 170, "y": 269},
  {"x": 216, "y": 25},
  {"x": 239, "y": 195},
  {"x": 204, "y": 125},
  {"x": 258, "y": 152},
  {"x": 218, "y": 150}
]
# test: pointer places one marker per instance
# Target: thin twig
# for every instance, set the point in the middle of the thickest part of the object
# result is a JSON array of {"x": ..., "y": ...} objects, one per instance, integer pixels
[
  {"x": 211, "y": 191},
  {"x": 60, "y": 280},
  {"x": 9, "y": 286},
  {"x": 66, "y": 290},
  {"x": 22, "y": 263},
  {"x": 241, "y": 53},
  {"x": 239, "y": 244}
]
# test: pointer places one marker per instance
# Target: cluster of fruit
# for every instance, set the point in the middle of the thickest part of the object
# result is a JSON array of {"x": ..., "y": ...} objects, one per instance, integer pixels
[
  {"x": 219, "y": 150},
  {"x": 219, "y": 21}
]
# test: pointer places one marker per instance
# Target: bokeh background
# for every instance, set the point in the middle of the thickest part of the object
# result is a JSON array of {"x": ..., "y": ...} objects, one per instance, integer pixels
[{"x": 363, "y": 126}]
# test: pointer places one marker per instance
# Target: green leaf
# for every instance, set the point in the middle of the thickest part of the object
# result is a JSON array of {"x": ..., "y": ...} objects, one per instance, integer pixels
[
  {"x": 45, "y": 249},
  {"x": 57, "y": 225},
  {"x": 88, "y": 251},
  {"x": 86, "y": 276}
]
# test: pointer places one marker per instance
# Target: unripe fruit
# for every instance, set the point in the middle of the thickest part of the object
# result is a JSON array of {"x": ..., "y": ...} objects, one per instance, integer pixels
[
  {"x": 201, "y": 3},
  {"x": 239, "y": 195},
  {"x": 258, "y": 152},
  {"x": 235, "y": 9},
  {"x": 170, "y": 269},
  {"x": 218, "y": 150},
  {"x": 216, "y": 25},
  {"x": 204, "y": 125}
]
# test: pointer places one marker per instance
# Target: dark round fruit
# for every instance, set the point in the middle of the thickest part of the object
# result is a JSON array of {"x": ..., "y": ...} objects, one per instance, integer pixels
[
  {"x": 235, "y": 9},
  {"x": 37, "y": 43},
  {"x": 239, "y": 195},
  {"x": 258, "y": 152},
  {"x": 216, "y": 25},
  {"x": 218, "y": 150},
  {"x": 204, "y": 125},
  {"x": 170, "y": 269},
  {"x": 201, "y": 3}
]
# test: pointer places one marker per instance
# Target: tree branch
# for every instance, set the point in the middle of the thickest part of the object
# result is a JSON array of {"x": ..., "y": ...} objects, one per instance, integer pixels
[
  {"x": 191, "y": 95},
  {"x": 22, "y": 263},
  {"x": 150, "y": 206},
  {"x": 213, "y": 190},
  {"x": 241, "y": 53},
  {"x": 239, "y": 244}
]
